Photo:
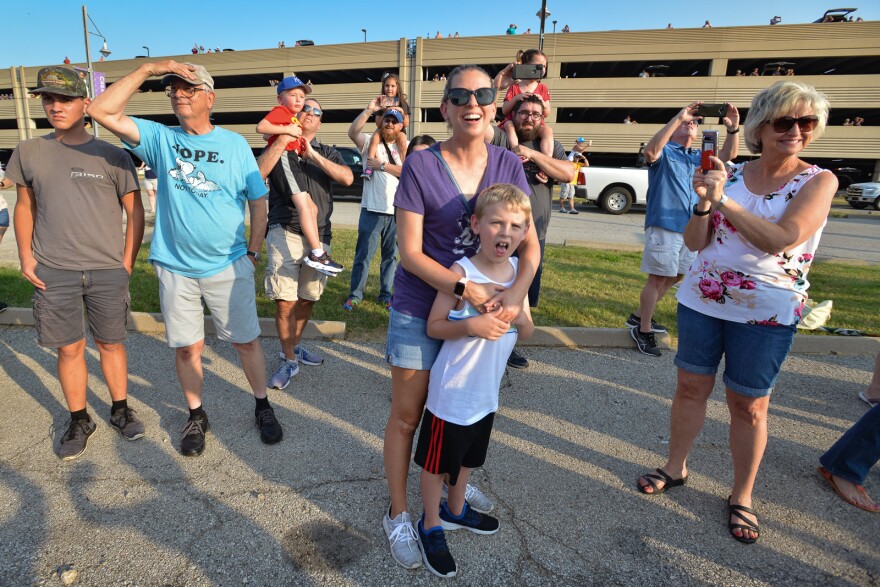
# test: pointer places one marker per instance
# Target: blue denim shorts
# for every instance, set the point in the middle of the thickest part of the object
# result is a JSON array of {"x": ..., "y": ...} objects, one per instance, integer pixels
[
  {"x": 753, "y": 353},
  {"x": 408, "y": 345},
  {"x": 4, "y": 217}
]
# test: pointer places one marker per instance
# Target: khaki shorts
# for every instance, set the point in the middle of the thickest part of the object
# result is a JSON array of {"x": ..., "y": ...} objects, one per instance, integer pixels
[
  {"x": 229, "y": 295},
  {"x": 58, "y": 309},
  {"x": 287, "y": 277},
  {"x": 151, "y": 184},
  {"x": 665, "y": 253}
]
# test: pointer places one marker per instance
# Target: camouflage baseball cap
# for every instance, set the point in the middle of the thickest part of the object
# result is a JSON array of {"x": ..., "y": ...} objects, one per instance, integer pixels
[{"x": 61, "y": 81}]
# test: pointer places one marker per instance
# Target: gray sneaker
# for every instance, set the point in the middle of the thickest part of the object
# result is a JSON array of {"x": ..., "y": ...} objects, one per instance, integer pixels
[
  {"x": 403, "y": 541},
  {"x": 476, "y": 498},
  {"x": 127, "y": 424},
  {"x": 307, "y": 357},
  {"x": 76, "y": 439},
  {"x": 285, "y": 371}
]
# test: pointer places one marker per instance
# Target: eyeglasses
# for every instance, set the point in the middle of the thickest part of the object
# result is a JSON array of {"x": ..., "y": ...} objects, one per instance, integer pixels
[
  {"x": 784, "y": 123},
  {"x": 185, "y": 91},
  {"x": 532, "y": 115},
  {"x": 461, "y": 96},
  {"x": 313, "y": 110}
]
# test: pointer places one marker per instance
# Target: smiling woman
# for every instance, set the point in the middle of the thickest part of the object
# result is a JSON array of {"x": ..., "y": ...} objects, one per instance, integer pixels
[
  {"x": 744, "y": 294},
  {"x": 434, "y": 204}
]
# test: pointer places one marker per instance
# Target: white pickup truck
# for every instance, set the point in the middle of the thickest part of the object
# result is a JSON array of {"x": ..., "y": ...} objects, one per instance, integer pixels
[
  {"x": 614, "y": 189},
  {"x": 862, "y": 195}
]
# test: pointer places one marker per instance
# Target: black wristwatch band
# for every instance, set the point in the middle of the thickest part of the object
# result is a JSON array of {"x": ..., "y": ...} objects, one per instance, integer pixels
[{"x": 698, "y": 213}]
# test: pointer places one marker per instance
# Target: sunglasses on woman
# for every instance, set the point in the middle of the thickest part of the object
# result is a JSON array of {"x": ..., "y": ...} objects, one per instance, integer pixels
[
  {"x": 461, "y": 96},
  {"x": 784, "y": 123}
]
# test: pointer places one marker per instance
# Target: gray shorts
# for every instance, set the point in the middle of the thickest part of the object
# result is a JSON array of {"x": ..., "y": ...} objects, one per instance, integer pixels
[
  {"x": 58, "y": 309},
  {"x": 288, "y": 278},
  {"x": 665, "y": 253},
  {"x": 229, "y": 295},
  {"x": 566, "y": 191},
  {"x": 151, "y": 184}
]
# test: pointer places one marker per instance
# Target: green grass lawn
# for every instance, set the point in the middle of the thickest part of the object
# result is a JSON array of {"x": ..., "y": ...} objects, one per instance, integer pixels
[{"x": 580, "y": 287}]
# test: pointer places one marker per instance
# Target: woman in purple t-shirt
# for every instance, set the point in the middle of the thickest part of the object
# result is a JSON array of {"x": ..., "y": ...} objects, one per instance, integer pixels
[{"x": 434, "y": 202}]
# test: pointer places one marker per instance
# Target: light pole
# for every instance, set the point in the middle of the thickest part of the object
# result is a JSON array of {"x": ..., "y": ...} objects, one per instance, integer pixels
[
  {"x": 148, "y": 49},
  {"x": 542, "y": 14},
  {"x": 554, "y": 26},
  {"x": 365, "y": 34},
  {"x": 104, "y": 51}
]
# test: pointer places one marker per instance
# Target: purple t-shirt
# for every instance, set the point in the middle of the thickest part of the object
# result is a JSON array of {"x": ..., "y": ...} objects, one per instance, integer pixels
[{"x": 425, "y": 188}]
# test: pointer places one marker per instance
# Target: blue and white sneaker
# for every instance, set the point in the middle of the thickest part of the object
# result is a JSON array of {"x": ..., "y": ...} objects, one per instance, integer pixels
[
  {"x": 285, "y": 371},
  {"x": 306, "y": 357},
  {"x": 470, "y": 519},
  {"x": 435, "y": 551},
  {"x": 476, "y": 498}
]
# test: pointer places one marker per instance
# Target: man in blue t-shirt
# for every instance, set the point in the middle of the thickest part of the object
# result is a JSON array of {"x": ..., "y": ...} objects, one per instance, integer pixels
[
  {"x": 671, "y": 198},
  {"x": 199, "y": 249}
]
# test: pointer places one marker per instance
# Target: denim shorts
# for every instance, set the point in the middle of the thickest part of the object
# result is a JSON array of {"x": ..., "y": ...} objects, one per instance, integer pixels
[
  {"x": 753, "y": 353},
  {"x": 408, "y": 345},
  {"x": 4, "y": 217}
]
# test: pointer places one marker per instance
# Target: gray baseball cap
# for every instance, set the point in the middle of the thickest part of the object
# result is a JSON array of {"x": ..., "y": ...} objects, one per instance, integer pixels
[{"x": 202, "y": 77}]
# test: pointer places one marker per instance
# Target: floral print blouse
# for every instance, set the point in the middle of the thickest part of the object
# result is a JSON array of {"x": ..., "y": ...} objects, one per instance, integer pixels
[{"x": 733, "y": 280}]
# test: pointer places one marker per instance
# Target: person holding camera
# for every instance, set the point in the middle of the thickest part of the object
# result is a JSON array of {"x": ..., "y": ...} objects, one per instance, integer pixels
[
  {"x": 671, "y": 162},
  {"x": 755, "y": 230}
]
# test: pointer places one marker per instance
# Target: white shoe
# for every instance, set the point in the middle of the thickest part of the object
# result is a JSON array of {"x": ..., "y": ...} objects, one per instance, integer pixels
[
  {"x": 475, "y": 498},
  {"x": 403, "y": 541}
]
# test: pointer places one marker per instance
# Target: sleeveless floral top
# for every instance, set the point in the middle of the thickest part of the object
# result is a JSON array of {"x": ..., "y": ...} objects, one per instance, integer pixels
[{"x": 733, "y": 280}]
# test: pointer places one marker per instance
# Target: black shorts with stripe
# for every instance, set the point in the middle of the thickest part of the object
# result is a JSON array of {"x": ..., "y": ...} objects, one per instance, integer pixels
[{"x": 445, "y": 447}]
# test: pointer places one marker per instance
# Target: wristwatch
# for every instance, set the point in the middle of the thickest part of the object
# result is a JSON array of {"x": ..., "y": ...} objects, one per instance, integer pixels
[
  {"x": 256, "y": 256},
  {"x": 382, "y": 167},
  {"x": 723, "y": 200},
  {"x": 459, "y": 288}
]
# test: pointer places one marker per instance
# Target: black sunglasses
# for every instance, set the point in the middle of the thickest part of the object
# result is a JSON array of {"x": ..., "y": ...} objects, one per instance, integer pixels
[
  {"x": 461, "y": 96},
  {"x": 784, "y": 123}
]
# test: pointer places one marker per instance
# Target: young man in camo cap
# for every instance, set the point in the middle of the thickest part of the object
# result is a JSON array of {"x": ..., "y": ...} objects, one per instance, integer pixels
[{"x": 72, "y": 189}]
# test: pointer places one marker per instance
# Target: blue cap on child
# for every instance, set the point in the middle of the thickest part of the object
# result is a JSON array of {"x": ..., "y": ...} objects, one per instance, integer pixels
[{"x": 291, "y": 82}]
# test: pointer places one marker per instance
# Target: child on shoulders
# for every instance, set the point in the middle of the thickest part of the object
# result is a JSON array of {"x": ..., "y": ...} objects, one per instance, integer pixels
[{"x": 391, "y": 96}]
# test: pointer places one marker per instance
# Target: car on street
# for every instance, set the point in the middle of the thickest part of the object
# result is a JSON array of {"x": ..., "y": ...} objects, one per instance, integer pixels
[
  {"x": 354, "y": 161},
  {"x": 614, "y": 189},
  {"x": 862, "y": 195}
]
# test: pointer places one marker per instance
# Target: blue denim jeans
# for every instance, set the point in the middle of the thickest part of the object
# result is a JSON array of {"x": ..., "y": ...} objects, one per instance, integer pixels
[
  {"x": 857, "y": 451},
  {"x": 373, "y": 228}
]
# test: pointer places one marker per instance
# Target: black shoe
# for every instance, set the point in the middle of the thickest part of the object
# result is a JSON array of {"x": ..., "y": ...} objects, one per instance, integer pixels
[
  {"x": 435, "y": 551},
  {"x": 646, "y": 341},
  {"x": 270, "y": 428},
  {"x": 193, "y": 443},
  {"x": 635, "y": 322},
  {"x": 76, "y": 439},
  {"x": 517, "y": 360},
  {"x": 3, "y": 306}
]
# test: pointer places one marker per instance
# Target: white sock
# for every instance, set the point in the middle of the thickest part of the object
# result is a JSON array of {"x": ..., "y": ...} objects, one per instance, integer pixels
[{"x": 318, "y": 252}]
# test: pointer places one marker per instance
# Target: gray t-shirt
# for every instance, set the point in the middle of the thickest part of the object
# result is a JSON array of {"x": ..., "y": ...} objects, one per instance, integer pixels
[
  {"x": 77, "y": 189},
  {"x": 542, "y": 193}
]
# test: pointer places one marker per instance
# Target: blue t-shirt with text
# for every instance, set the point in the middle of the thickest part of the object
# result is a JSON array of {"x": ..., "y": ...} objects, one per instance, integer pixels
[
  {"x": 204, "y": 182},
  {"x": 671, "y": 195}
]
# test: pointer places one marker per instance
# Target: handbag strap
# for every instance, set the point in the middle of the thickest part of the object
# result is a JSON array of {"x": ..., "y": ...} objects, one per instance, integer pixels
[
  {"x": 388, "y": 150},
  {"x": 435, "y": 150}
]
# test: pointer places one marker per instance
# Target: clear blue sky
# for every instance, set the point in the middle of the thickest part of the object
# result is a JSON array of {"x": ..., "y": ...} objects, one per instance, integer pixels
[{"x": 44, "y": 32}]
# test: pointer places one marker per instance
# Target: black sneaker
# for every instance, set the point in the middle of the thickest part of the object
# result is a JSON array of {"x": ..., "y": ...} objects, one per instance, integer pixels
[
  {"x": 470, "y": 519},
  {"x": 635, "y": 322},
  {"x": 270, "y": 428},
  {"x": 127, "y": 424},
  {"x": 517, "y": 360},
  {"x": 193, "y": 443},
  {"x": 435, "y": 551},
  {"x": 76, "y": 439},
  {"x": 646, "y": 341},
  {"x": 324, "y": 264}
]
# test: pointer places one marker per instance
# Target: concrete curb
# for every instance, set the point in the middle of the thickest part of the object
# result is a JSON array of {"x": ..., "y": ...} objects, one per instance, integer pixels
[{"x": 545, "y": 336}]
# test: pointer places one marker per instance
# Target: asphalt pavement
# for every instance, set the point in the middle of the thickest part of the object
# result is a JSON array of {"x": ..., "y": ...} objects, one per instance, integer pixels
[{"x": 573, "y": 433}]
